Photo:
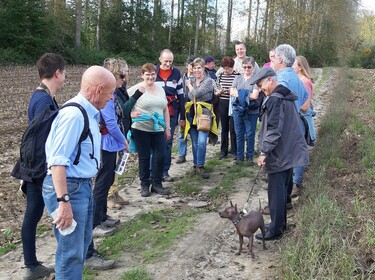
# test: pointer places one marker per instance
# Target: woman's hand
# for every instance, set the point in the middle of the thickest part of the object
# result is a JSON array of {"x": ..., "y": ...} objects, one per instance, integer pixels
[
  {"x": 233, "y": 92},
  {"x": 135, "y": 114},
  {"x": 167, "y": 134}
]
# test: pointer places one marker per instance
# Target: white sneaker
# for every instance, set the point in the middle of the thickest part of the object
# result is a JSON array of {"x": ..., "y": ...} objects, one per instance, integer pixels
[{"x": 101, "y": 231}]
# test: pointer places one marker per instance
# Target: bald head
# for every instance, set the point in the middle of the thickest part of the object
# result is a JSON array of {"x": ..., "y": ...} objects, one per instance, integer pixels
[
  {"x": 98, "y": 85},
  {"x": 166, "y": 59}
]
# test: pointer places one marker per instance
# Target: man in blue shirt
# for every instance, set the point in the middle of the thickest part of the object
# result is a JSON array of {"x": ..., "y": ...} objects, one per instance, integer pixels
[
  {"x": 282, "y": 63},
  {"x": 67, "y": 188}
]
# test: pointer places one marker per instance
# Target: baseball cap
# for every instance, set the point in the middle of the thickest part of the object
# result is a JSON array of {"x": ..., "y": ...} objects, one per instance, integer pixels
[
  {"x": 262, "y": 74},
  {"x": 208, "y": 59}
]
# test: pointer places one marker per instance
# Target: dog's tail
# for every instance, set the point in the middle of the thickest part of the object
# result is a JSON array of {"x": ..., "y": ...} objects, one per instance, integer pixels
[{"x": 260, "y": 206}]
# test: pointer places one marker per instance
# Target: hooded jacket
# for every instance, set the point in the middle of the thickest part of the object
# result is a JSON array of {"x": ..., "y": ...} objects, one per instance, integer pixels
[{"x": 280, "y": 135}]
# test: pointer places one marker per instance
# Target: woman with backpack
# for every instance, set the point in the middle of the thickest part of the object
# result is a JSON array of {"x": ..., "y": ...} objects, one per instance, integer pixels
[{"x": 245, "y": 105}]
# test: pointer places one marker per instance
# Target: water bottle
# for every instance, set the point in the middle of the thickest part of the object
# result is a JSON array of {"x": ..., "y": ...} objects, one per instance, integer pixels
[{"x": 121, "y": 163}]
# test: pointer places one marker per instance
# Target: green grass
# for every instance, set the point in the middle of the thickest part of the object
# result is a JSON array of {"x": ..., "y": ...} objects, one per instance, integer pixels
[
  {"x": 332, "y": 231},
  {"x": 136, "y": 274},
  {"x": 150, "y": 235},
  {"x": 7, "y": 248}
]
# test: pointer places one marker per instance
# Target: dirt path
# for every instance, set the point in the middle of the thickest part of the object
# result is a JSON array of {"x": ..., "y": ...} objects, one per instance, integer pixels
[{"x": 208, "y": 250}]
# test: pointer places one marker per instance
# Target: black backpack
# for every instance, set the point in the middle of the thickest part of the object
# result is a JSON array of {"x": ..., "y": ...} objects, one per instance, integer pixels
[{"x": 32, "y": 163}]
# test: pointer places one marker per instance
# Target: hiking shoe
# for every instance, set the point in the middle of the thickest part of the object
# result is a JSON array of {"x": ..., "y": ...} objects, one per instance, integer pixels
[
  {"x": 181, "y": 159},
  {"x": 101, "y": 231},
  {"x": 250, "y": 162},
  {"x": 120, "y": 200},
  {"x": 167, "y": 178},
  {"x": 202, "y": 171},
  {"x": 37, "y": 272},
  {"x": 266, "y": 210},
  {"x": 160, "y": 190},
  {"x": 296, "y": 191},
  {"x": 145, "y": 191},
  {"x": 222, "y": 156},
  {"x": 96, "y": 261},
  {"x": 110, "y": 222},
  {"x": 112, "y": 204}
]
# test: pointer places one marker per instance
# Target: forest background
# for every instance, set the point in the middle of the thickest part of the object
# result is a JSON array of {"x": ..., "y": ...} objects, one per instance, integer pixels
[{"x": 328, "y": 33}]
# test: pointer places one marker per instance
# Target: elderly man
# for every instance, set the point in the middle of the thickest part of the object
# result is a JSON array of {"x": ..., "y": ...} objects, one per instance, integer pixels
[
  {"x": 67, "y": 188},
  {"x": 285, "y": 56},
  {"x": 282, "y": 146},
  {"x": 169, "y": 78}
]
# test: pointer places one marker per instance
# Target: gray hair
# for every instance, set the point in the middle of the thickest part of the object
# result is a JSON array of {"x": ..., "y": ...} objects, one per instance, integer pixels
[
  {"x": 248, "y": 60},
  {"x": 287, "y": 53}
]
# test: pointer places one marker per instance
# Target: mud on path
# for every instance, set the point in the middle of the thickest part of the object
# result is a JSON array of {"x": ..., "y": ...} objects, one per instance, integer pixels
[{"x": 207, "y": 251}]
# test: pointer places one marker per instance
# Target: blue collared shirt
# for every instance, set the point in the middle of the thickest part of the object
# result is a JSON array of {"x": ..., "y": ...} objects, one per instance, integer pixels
[
  {"x": 288, "y": 78},
  {"x": 61, "y": 145}
]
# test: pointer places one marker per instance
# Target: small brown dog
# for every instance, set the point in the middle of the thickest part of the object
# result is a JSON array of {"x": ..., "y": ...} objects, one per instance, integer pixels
[{"x": 246, "y": 226}]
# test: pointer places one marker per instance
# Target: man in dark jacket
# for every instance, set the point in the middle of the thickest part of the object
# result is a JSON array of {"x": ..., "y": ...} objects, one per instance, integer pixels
[{"x": 282, "y": 146}]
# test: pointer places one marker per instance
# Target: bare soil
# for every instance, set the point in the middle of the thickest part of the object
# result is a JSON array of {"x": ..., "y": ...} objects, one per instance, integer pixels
[{"x": 207, "y": 251}]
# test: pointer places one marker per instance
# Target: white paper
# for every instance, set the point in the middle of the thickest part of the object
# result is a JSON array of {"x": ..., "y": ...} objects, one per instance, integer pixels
[{"x": 69, "y": 229}]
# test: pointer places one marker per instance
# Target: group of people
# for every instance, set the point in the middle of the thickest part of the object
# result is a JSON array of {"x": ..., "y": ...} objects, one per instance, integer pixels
[{"x": 144, "y": 118}]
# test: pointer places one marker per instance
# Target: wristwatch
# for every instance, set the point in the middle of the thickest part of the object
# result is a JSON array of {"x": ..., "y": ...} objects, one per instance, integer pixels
[{"x": 64, "y": 198}]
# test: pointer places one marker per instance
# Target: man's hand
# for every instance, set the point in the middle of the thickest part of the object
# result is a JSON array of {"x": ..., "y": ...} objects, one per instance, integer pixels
[
  {"x": 167, "y": 134},
  {"x": 64, "y": 217},
  {"x": 261, "y": 160},
  {"x": 135, "y": 114}
]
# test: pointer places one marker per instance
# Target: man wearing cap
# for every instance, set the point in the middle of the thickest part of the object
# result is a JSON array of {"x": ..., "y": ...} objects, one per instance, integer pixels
[
  {"x": 282, "y": 146},
  {"x": 209, "y": 66}
]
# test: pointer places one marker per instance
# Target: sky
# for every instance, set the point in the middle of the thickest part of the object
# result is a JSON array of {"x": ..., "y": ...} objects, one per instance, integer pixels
[{"x": 369, "y": 4}]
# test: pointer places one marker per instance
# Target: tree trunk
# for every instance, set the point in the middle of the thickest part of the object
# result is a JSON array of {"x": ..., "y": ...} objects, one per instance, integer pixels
[
  {"x": 196, "y": 37},
  {"x": 98, "y": 25},
  {"x": 78, "y": 22},
  {"x": 171, "y": 26},
  {"x": 249, "y": 21},
  {"x": 216, "y": 45},
  {"x": 256, "y": 22},
  {"x": 229, "y": 24}
]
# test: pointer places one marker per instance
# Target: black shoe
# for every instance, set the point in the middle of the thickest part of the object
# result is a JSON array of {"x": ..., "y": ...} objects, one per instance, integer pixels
[
  {"x": 181, "y": 159},
  {"x": 250, "y": 162},
  {"x": 202, "y": 172},
  {"x": 222, "y": 156},
  {"x": 145, "y": 192},
  {"x": 110, "y": 222},
  {"x": 268, "y": 236},
  {"x": 37, "y": 272},
  {"x": 160, "y": 190},
  {"x": 167, "y": 178},
  {"x": 96, "y": 261}
]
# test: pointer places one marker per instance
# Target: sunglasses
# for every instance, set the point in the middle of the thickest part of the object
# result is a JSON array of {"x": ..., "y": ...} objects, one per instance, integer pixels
[
  {"x": 247, "y": 67},
  {"x": 122, "y": 76}
]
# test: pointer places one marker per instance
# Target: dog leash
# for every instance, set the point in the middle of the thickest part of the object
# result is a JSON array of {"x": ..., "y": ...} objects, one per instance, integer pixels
[{"x": 244, "y": 211}]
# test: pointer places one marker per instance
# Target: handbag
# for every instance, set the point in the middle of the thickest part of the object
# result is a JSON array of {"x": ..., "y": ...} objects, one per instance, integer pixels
[{"x": 203, "y": 121}]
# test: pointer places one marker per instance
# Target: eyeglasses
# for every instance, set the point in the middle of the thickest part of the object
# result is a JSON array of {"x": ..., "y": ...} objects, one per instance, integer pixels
[{"x": 247, "y": 67}]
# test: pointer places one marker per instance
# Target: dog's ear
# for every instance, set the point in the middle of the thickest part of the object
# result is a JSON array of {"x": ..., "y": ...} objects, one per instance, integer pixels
[{"x": 231, "y": 204}]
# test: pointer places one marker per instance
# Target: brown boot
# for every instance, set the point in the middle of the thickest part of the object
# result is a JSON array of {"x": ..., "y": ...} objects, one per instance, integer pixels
[
  {"x": 202, "y": 172},
  {"x": 120, "y": 200},
  {"x": 112, "y": 203}
]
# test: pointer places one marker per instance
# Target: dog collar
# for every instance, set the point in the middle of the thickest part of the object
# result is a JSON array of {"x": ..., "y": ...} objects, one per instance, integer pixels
[{"x": 236, "y": 222}]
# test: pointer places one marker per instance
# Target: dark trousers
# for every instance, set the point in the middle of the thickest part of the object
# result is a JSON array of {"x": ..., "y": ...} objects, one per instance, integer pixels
[
  {"x": 33, "y": 214},
  {"x": 103, "y": 182},
  {"x": 278, "y": 184},
  {"x": 216, "y": 107},
  {"x": 147, "y": 143},
  {"x": 227, "y": 125},
  {"x": 168, "y": 148}
]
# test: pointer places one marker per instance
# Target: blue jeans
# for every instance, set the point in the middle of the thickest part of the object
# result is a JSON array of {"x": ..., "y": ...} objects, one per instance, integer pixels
[
  {"x": 182, "y": 144},
  {"x": 199, "y": 143},
  {"x": 168, "y": 149},
  {"x": 245, "y": 125},
  {"x": 33, "y": 213},
  {"x": 299, "y": 170},
  {"x": 71, "y": 249}
]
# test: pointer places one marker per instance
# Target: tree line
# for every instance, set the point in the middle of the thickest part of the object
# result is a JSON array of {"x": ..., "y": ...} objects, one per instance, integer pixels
[{"x": 87, "y": 31}]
